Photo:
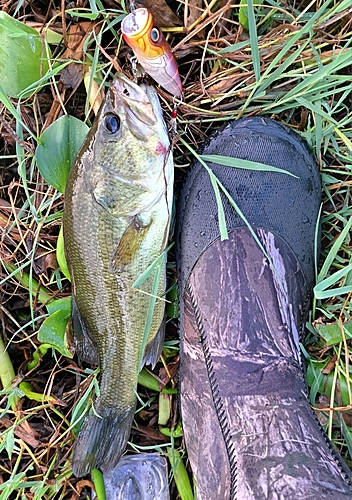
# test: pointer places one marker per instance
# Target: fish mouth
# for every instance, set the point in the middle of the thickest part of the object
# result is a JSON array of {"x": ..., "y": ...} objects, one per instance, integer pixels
[{"x": 137, "y": 105}]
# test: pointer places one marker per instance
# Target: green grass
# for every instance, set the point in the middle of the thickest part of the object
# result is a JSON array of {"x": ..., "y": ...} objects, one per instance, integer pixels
[{"x": 297, "y": 73}]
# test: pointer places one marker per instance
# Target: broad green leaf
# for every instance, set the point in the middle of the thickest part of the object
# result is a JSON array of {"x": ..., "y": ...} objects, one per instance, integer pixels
[
  {"x": 39, "y": 84},
  {"x": 58, "y": 148},
  {"x": 60, "y": 304},
  {"x": 53, "y": 332},
  {"x": 164, "y": 407},
  {"x": 172, "y": 306},
  {"x": 243, "y": 14},
  {"x": 23, "y": 58},
  {"x": 175, "y": 432},
  {"x": 7, "y": 372},
  {"x": 331, "y": 333},
  {"x": 60, "y": 255},
  {"x": 53, "y": 37},
  {"x": 147, "y": 380}
]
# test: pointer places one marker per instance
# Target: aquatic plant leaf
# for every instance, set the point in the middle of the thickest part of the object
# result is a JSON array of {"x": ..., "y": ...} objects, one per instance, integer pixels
[
  {"x": 58, "y": 148},
  {"x": 23, "y": 56},
  {"x": 146, "y": 379}
]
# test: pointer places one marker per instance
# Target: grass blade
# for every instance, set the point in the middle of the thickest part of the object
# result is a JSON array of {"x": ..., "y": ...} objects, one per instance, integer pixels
[
  {"x": 154, "y": 297},
  {"x": 229, "y": 161},
  {"x": 254, "y": 40},
  {"x": 320, "y": 290},
  {"x": 333, "y": 251}
]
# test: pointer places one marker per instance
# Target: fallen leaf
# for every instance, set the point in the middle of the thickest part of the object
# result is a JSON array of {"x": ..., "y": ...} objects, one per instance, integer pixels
[
  {"x": 72, "y": 75},
  {"x": 166, "y": 375},
  {"x": 44, "y": 261},
  {"x": 330, "y": 366},
  {"x": 149, "y": 433},
  {"x": 195, "y": 11},
  {"x": 28, "y": 435}
]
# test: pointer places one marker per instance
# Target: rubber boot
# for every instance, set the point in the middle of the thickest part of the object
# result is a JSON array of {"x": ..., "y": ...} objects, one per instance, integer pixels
[{"x": 249, "y": 429}]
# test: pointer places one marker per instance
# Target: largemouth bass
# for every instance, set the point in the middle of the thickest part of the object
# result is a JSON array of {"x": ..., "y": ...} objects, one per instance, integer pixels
[{"x": 116, "y": 223}]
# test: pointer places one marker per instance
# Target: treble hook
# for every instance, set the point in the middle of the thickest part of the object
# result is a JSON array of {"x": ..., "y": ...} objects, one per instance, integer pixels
[{"x": 173, "y": 122}]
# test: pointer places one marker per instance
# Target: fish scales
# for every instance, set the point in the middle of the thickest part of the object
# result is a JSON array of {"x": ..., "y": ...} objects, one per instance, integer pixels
[{"x": 117, "y": 215}]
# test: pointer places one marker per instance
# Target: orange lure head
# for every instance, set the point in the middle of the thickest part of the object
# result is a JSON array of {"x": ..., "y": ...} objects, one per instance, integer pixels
[{"x": 151, "y": 49}]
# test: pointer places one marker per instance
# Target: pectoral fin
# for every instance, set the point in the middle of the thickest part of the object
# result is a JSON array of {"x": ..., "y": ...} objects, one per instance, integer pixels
[
  {"x": 85, "y": 347},
  {"x": 129, "y": 243}
]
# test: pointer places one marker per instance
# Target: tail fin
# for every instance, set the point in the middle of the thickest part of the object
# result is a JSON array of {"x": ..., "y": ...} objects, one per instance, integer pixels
[{"x": 102, "y": 440}]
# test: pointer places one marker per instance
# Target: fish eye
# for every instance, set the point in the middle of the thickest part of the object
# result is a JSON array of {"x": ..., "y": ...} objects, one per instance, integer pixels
[
  {"x": 155, "y": 35},
  {"x": 112, "y": 123}
]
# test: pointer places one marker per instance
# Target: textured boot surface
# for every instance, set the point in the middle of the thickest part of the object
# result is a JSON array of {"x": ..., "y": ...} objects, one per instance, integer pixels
[
  {"x": 275, "y": 201},
  {"x": 249, "y": 429}
]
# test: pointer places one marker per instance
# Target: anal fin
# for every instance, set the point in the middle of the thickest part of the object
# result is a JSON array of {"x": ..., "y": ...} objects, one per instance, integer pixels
[{"x": 154, "y": 347}]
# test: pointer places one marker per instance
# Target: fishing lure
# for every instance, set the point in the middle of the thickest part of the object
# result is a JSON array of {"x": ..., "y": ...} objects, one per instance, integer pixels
[{"x": 151, "y": 49}]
